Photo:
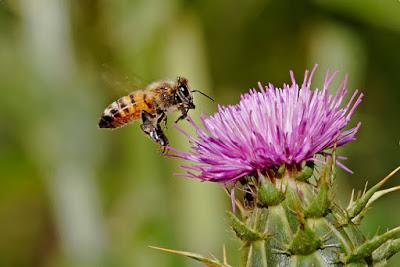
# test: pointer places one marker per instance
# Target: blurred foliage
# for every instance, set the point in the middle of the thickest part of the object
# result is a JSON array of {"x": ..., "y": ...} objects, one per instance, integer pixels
[{"x": 75, "y": 195}]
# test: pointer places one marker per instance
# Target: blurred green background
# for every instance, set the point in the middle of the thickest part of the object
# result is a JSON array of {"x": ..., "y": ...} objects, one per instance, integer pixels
[{"x": 74, "y": 195}]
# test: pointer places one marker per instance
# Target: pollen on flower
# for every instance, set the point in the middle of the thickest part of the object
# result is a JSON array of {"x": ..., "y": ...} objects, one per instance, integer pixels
[{"x": 269, "y": 127}]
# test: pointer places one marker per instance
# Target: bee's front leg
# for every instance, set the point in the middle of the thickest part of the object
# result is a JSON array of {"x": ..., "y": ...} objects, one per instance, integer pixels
[{"x": 184, "y": 114}]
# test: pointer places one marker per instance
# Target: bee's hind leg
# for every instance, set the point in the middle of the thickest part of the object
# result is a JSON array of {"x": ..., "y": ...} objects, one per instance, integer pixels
[
  {"x": 155, "y": 132},
  {"x": 158, "y": 135},
  {"x": 147, "y": 125}
]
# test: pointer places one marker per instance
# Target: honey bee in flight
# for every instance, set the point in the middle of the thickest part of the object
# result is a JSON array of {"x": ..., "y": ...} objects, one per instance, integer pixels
[{"x": 151, "y": 106}]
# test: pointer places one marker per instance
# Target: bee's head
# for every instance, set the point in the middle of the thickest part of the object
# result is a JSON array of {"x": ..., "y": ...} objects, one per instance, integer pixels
[{"x": 183, "y": 93}]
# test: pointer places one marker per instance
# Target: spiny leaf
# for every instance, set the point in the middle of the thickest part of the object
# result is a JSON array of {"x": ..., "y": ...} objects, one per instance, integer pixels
[
  {"x": 377, "y": 195},
  {"x": 207, "y": 261},
  {"x": 366, "y": 249},
  {"x": 356, "y": 207},
  {"x": 386, "y": 251}
]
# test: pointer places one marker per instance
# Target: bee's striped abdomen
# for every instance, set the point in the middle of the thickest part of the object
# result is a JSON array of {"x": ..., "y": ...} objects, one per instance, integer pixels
[{"x": 125, "y": 109}]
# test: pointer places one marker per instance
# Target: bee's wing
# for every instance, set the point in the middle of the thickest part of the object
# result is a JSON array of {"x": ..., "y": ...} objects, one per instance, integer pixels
[{"x": 113, "y": 79}]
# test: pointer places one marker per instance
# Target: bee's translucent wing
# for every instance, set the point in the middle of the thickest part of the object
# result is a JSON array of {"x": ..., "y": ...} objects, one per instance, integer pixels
[{"x": 113, "y": 79}]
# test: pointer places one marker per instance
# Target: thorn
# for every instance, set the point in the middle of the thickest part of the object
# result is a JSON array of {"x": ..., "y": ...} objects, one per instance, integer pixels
[
  {"x": 198, "y": 257},
  {"x": 390, "y": 175},
  {"x": 225, "y": 259},
  {"x": 381, "y": 193},
  {"x": 377, "y": 230},
  {"x": 365, "y": 188},
  {"x": 351, "y": 199},
  {"x": 359, "y": 195}
]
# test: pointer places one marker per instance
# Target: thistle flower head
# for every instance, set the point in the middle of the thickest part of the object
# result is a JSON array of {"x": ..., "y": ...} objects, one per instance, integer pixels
[{"x": 268, "y": 128}]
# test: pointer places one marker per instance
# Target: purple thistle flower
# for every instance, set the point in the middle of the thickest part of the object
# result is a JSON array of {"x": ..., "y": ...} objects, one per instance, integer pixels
[{"x": 269, "y": 128}]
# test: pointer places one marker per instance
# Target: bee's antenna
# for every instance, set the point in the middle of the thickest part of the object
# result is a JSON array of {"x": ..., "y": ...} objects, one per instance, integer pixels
[{"x": 197, "y": 91}]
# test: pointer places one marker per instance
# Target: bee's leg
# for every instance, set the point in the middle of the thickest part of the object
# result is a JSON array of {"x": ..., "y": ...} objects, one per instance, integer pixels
[
  {"x": 165, "y": 122},
  {"x": 155, "y": 132},
  {"x": 158, "y": 135},
  {"x": 162, "y": 139},
  {"x": 147, "y": 125},
  {"x": 162, "y": 118},
  {"x": 184, "y": 114}
]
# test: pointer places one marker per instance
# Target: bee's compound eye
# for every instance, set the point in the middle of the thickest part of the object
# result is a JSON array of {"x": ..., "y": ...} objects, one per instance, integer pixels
[{"x": 183, "y": 89}]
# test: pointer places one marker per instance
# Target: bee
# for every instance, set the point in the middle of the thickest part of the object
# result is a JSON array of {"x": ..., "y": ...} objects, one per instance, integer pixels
[{"x": 151, "y": 105}]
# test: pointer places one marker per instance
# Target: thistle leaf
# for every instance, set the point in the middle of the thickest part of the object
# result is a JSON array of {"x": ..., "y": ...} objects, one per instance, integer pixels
[
  {"x": 366, "y": 249},
  {"x": 377, "y": 195},
  {"x": 387, "y": 250},
  {"x": 357, "y": 206}
]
